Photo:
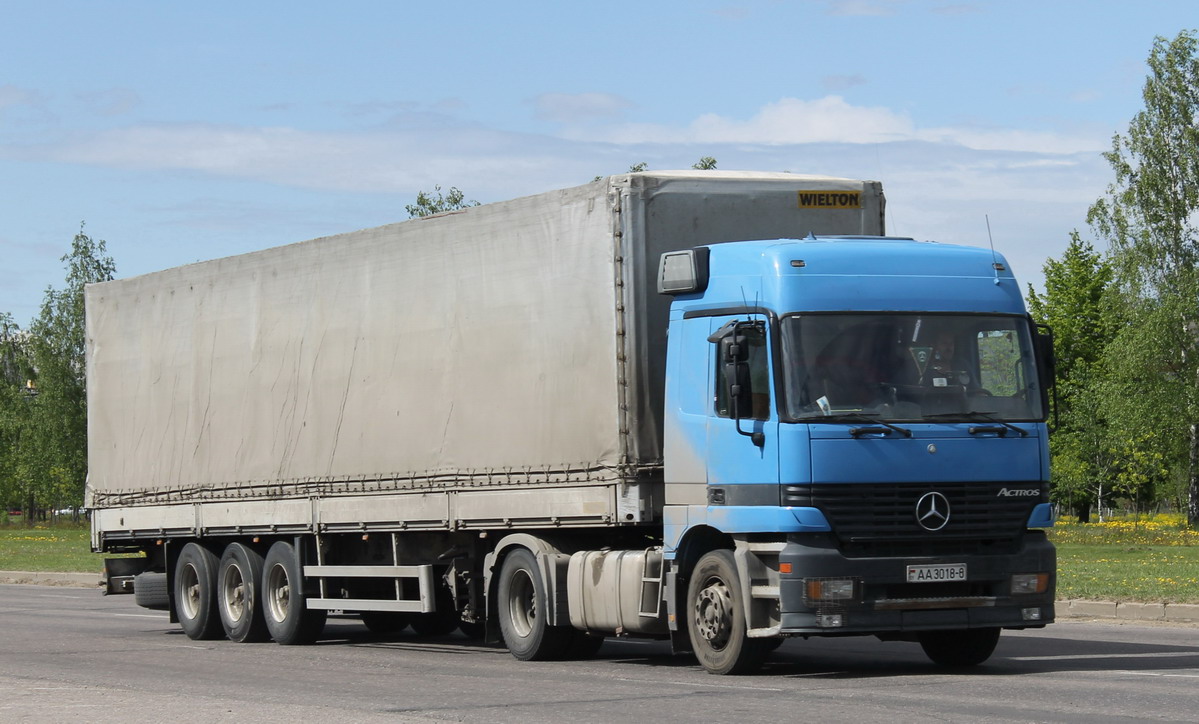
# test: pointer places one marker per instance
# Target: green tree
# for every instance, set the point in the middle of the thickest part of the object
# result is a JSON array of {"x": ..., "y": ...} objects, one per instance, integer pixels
[
  {"x": 1148, "y": 218},
  {"x": 1077, "y": 305},
  {"x": 429, "y": 203},
  {"x": 706, "y": 163},
  {"x": 16, "y": 375},
  {"x": 58, "y": 434}
]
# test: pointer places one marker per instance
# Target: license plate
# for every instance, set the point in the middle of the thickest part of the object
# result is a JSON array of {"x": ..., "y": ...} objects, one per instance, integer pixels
[{"x": 937, "y": 574}]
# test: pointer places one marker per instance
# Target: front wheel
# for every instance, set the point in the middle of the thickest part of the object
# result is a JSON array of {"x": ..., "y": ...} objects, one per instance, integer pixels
[
  {"x": 284, "y": 601},
  {"x": 522, "y": 608},
  {"x": 716, "y": 617},
  {"x": 961, "y": 648}
]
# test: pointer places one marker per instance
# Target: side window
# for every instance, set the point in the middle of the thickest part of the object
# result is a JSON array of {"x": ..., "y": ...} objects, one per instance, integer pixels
[
  {"x": 999, "y": 362},
  {"x": 759, "y": 372}
]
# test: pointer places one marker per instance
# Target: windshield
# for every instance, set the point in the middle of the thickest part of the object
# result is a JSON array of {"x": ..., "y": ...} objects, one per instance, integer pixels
[{"x": 909, "y": 367}]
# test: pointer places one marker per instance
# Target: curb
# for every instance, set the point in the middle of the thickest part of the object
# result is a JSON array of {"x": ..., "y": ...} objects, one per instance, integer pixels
[
  {"x": 1128, "y": 611},
  {"x": 38, "y": 578}
]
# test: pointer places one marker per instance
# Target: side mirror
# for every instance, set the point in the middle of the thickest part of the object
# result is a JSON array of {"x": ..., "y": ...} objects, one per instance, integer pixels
[
  {"x": 733, "y": 348},
  {"x": 1047, "y": 366},
  {"x": 734, "y": 354},
  {"x": 1046, "y": 358}
]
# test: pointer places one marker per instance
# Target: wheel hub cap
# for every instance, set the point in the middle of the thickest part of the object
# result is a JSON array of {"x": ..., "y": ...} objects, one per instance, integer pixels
[{"x": 713, "y": 614}]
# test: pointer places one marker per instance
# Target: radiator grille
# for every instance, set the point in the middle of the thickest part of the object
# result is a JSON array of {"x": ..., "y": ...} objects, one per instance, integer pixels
[{"x": 873, "y": 519}]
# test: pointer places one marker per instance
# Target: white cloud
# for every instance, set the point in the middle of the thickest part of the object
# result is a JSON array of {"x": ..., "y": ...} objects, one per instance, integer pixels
[
  {"x": 579, "y": 107},
  {"x": 111, "y": 102},
  {"x": 957, "y": 9},
  {"x": 12, "y": 96},
  {"x": 842, "y": 82},
  {"x": 868, "y": 8},
  {"x": 833, "y": 120},
  {"x": 940, "y": 182},
  {"x": 378, "y": 161},
  {"x": 24, "y": 109}
]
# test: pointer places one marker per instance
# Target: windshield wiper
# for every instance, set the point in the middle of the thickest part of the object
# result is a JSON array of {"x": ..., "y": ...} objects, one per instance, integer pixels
[
  {"x": 861, "y": 417},
  {"x": 976, "y": 415}
]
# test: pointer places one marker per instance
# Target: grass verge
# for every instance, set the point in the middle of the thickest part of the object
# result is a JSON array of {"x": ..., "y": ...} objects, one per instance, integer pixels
[
  {"x": 59, "y": 549},
  {"x": 1153, "y": 559},
  {"x": 1155, "y": 574}
]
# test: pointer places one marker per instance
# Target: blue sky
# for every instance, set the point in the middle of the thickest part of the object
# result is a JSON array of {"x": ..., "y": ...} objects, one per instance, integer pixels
[{"x": 182, "y": 132}]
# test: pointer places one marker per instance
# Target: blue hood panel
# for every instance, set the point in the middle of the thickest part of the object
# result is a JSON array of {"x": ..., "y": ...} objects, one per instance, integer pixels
[{"x": 925, "y": 458}]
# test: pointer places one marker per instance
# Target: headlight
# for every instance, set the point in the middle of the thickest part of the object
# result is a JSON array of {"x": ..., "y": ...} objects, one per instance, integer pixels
[
  {"x": 830, "y": 589},
  {"x": 1025, "y": 583}
]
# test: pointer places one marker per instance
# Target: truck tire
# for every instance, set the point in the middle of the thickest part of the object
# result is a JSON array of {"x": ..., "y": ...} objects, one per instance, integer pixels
[
  {"x": 239, "y": 586},
  {"x": 284, "y": 601},
  {"x": 150, "y": 591},
  {"x": 959, "y": 648},
  {"x": 716, "y": 617},
  {"x": 521, "y": 610},
  {"x": 195, "y": 593}
]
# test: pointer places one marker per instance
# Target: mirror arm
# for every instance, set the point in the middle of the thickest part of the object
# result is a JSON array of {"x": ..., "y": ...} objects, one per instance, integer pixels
[{"x": 758, "y": 438}]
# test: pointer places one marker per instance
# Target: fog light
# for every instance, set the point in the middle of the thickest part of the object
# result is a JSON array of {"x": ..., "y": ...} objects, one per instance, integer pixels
[
  {"x": 1031, "y": 614},
  {"x": 830, "y": 620},
  {"x": 829, "y": 589},
  {"x": 1024, "y": 583}
]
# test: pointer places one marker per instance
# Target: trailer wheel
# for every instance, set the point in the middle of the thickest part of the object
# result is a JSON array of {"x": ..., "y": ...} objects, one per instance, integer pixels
[
  {"x": 239, "y": 586},
  {"x": 150, "y": 591},
  {"x": 195, "y": 592},
  {"x": 959, "y": 648},
  {"x": 521, "y": 608},
  {"x": 716, "y": 617},
  {"x": 284, "y": 602}
]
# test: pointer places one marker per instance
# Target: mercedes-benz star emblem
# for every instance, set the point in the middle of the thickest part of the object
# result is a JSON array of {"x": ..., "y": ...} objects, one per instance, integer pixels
[{"x": 932, "y": 511}]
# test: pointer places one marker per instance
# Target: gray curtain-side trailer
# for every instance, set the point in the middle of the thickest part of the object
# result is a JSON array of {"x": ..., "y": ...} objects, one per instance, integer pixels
[{"x": 395, "y": 407}]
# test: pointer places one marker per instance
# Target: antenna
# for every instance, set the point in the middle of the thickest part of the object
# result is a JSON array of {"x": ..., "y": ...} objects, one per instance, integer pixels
[{"x": 995, "y": 265}]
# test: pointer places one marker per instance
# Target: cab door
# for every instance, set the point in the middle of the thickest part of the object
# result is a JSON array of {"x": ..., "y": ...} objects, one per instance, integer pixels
[{"x": 742, "y": 470}]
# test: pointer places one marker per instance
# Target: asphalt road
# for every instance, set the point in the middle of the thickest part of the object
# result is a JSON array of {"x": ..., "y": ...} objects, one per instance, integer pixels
[{"x": 70, "y": 655}]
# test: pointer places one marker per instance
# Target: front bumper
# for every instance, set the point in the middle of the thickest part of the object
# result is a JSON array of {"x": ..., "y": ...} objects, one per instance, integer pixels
[{"x": 885, "y": 603}]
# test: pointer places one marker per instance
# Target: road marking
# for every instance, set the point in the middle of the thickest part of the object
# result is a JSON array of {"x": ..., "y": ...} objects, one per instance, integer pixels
[
  {"x": 142, "y": 615},
  {"x": 57, "y": 688},
  {"x": 1155, "y": 673},
  {"x": 705, "y": 685},
  {"x": 1076, "y": 657}
]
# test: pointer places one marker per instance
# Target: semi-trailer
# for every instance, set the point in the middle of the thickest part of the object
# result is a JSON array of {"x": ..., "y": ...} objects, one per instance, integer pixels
[{"x": 719, "y": 408}]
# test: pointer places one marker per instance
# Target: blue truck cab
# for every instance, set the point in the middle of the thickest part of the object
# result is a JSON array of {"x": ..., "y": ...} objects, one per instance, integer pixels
[{"x": 855, "y": 442}]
